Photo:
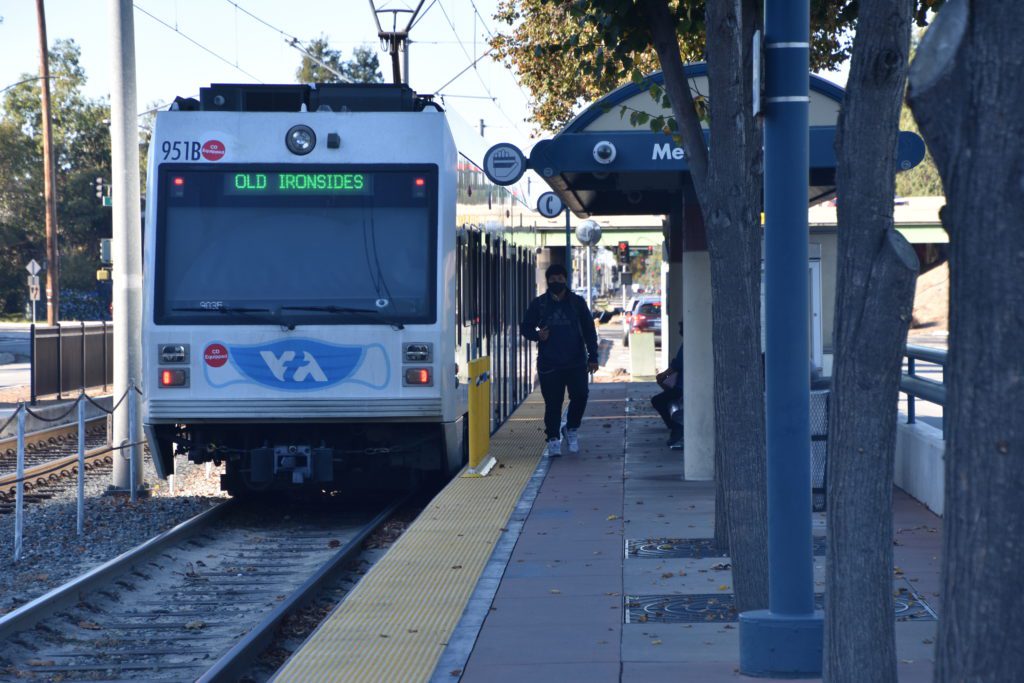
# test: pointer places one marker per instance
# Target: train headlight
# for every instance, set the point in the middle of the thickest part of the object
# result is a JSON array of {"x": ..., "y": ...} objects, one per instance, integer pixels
[
  {"x": 300, "y": 140},
  {"x": 174, "y": 353},
  {"x": 418, "y": 352}
]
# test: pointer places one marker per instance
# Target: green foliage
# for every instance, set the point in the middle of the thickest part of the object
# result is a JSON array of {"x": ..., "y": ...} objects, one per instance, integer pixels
[
  {"x": 363, "y": 67},
  {"x": 571, "y": 52},
  {"x": 81, "y": 141},
  {"x": 923, "y": 180}
]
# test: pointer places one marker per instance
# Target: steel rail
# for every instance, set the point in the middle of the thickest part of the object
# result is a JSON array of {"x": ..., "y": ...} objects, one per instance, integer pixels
[
  {"x": 31, "y": 613},
  {"x": 69, "y": 462},
  {"x": 43, "y": 437},
  {"x": 233, "y": 663}
]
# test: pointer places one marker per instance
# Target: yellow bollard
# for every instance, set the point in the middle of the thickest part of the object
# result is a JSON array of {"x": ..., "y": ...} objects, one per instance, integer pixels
[{"x": 480, "y": 460}]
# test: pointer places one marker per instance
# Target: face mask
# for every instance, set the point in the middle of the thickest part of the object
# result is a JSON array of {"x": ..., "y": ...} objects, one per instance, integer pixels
[{"x": 556, "y": 288}]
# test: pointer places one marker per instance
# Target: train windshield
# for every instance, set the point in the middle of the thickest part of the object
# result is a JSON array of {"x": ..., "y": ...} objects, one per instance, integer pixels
[{"x": 298, "y": 244}]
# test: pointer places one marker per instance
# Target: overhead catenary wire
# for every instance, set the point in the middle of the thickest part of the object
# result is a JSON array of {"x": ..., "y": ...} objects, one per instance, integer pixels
[
  {"x": 473, "y": 64},
  {"x": 195, "y": 42},
  {"x": 291, "y": 40}
]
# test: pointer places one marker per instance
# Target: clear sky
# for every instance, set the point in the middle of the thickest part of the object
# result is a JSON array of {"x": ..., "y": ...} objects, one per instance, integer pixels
[{"x": 451, "y": 34}]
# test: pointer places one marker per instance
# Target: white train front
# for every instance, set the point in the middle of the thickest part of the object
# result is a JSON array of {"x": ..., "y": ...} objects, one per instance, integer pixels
[{"x": 306, "y": 268}]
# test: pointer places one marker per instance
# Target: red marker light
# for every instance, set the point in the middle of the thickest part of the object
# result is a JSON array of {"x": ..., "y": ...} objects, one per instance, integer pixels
[
  {"x": 173, "y": 378},
  {"x": 420, "y": 376},
  {"x": 179, "y": 181},
  {"x": 420, "y": 182}
]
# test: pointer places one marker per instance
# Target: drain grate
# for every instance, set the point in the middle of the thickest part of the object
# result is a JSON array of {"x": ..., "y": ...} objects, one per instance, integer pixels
[
  {"x": 667, "y": 548},
  {"x": 720, "y": 608},
  {"x": 679, "y": 609}
]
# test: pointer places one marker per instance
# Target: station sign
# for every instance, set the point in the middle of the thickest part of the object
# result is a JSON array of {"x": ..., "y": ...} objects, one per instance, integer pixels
[
  {"x": 504, "y": 163},
  {"x": 550, "y": 205}
]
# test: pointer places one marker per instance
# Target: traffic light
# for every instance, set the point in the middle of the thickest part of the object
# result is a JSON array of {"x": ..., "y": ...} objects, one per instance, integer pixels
[
  {"x": 98, "y": 184},
  {"x": 623, "y": 252}
]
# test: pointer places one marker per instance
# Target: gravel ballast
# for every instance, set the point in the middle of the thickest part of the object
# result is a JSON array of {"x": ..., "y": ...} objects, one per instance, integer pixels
[{"x": 52, "y": 551}]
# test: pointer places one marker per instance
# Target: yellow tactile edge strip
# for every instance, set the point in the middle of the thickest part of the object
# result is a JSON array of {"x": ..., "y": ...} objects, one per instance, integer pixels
[{"x": 396, "y": 622}]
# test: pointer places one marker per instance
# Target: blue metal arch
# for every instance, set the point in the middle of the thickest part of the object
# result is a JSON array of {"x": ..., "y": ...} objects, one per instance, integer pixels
[
  {"x": 650, "y": 169},
  {"x": 625, "y": 92}
]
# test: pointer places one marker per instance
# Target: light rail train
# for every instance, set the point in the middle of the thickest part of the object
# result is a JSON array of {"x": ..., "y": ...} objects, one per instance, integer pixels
[{"x": 321, "y": 263}]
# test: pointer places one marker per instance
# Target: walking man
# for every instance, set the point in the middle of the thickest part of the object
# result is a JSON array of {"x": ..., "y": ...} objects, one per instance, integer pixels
[
  {"x": 561, "y": 324},
  {"x": 671, "y": 382}
]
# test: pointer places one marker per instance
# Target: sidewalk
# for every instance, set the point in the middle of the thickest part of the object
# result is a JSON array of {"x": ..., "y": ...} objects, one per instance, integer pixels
[{"x": 603, "y": 538}]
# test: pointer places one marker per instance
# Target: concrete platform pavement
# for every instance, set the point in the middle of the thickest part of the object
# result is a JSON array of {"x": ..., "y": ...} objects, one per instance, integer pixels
[{"x": 559, "y": 613}]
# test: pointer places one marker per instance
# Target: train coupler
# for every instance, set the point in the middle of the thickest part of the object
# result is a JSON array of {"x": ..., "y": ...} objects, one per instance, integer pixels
[{"x": 303, "y": 463}]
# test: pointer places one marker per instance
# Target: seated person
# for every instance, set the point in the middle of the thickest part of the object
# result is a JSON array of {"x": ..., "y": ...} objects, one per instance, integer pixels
[{"x": 671, "y": 382}]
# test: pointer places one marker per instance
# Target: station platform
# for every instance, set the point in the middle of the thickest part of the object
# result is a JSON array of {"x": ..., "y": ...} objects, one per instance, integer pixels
[{"x": 575, "y": 569}]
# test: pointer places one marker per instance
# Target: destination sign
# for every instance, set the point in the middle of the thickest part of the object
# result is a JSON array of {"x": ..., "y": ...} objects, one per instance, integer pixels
[{"x": 252, "y": 183}]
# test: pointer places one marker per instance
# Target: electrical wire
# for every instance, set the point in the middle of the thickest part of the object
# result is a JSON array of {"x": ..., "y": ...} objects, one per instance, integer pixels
[
  {"x": 472, "y": 66},
  {"x": 196, "y": 42}
]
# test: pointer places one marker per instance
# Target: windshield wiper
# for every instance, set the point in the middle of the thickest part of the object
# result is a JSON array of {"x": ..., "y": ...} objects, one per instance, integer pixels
[
  {"x": 328, "y": 309},
  {"x": 228, "y": 310},
  {"x": 344, "y": 309},
  {"x": 222, "y": 309}
]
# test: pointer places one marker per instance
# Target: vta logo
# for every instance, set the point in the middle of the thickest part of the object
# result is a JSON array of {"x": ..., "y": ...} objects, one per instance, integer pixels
[{"x": 287, "y": 368}]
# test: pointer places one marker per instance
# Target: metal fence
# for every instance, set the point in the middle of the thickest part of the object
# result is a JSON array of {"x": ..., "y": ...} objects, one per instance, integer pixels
[
  {"x": 67, "y": 359},
  {"x": 129, "y": 450},
  {"x": 917, "y": 387}
]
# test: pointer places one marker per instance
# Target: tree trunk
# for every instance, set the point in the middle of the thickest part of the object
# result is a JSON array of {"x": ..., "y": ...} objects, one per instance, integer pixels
[
  {"x": 728, "y": 186},
  {"x": 965, "y": 91},
  {"x": 732, "y": 214},
  {"x": 874, "y": 300}
]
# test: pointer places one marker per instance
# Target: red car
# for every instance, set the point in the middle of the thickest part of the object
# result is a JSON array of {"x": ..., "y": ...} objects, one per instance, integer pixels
[{"x": 646, "y": 318}]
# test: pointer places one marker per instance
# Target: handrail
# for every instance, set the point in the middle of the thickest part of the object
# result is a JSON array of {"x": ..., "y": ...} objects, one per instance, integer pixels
[
  {"x": 926, "y": 389},
  {"x": 929, "y": 354}
]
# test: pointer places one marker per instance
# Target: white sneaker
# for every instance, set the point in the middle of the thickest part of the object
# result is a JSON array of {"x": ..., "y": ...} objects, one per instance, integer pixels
[
  {"x": 572, "y": 438},
  {"x": 554, "y": 448}
]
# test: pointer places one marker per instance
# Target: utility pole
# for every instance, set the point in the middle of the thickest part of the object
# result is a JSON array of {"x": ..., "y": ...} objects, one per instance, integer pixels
[
  {"x": 127, "y": 235},
  {"x": 49, "y": 181}
]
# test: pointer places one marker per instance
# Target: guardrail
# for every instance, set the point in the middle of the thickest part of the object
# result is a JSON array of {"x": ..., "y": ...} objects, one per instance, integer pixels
[
  {"x": 71, "y": 358},
  {"x": 917, "y": 387}
]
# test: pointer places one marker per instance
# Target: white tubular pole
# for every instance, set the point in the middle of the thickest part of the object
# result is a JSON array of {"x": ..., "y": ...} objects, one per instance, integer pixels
[
  {"x": 590, "y": 290},
  {"x": 127, "y": 231},
  {"x": 19, "y": 501},
  {"x": 81, "y": 464},
  {"x": 133, "y": 445}
]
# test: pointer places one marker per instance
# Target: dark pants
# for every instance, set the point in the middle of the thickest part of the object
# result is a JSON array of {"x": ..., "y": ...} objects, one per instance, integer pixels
[
  {"x": 552, "y": 387},
  {"x": 663, "y": 404}
]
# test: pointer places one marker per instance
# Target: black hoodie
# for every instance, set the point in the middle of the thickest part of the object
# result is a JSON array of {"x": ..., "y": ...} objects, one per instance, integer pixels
[{"x": 573, "y": 338}]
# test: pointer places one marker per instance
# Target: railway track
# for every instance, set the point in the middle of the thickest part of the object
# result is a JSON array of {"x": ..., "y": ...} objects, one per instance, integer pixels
[
  {"x": 200, "y": 602},
  {"x": 51, "y": 460}
]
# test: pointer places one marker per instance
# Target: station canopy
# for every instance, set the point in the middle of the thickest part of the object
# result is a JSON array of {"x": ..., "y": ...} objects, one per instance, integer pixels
[{"x": 649, "y": 171}]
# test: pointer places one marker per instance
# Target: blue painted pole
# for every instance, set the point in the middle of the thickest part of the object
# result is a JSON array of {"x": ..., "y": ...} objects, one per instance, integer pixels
[{"x": 786, "y": 639}]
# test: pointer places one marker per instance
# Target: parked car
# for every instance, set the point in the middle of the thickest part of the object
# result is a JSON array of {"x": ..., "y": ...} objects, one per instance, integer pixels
[
  {"x": 647, "y": 318},
  {"x": 644, "y": 311}
]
